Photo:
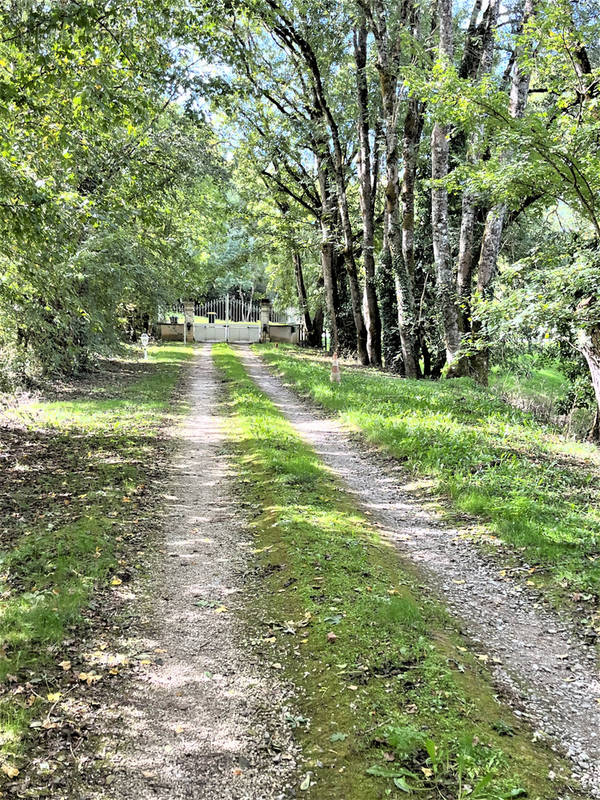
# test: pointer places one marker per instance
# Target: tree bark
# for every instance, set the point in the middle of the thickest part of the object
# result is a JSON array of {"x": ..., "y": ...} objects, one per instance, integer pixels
[
  {"x": 589, "y": 343},
  {"x": 464, "y": 273},
  {"x": 494, "y": 224},
  {"x": 327, "y": 253},
  {"x": 387, "y": 66},
  {"x": 339, "y": 169},
  {"x": 316, "y": 337},
  {"x": 446, "y": 291},
  {"x": 367, "y": 189},
  {"x": 301, "y": 291},
  {"x": 413, "y": 127},
  {"x": 391, "y": 345},
  {"x": 476, "y": 61}
]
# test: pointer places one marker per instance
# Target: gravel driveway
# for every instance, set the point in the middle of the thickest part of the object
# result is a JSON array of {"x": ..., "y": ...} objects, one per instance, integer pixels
[
  {"x": 204, "y": 720},
  {"x": 547, "y": 673}
]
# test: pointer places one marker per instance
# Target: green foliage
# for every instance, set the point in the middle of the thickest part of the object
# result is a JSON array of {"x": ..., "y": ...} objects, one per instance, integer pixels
[
  {"x": 552, "y": 289},
  {"x": 110, "y": 190}
]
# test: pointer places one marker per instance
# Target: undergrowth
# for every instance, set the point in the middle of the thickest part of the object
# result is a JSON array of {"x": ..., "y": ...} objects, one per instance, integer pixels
[{"x": 390, "y": 702}]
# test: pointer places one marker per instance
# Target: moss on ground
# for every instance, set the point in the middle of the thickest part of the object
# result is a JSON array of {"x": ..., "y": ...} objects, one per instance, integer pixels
[{"x": 390, "y": 702}]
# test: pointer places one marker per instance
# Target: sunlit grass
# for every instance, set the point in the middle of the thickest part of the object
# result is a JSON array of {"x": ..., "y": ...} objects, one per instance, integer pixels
[
  {"x": 385, "y": 683},
  {"x": 533, "y": 488},
  {"x": 85, "y": 461}
]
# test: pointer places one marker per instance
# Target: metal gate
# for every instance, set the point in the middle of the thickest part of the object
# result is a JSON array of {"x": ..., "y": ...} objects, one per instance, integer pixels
[{"x": 226, "y": 333}]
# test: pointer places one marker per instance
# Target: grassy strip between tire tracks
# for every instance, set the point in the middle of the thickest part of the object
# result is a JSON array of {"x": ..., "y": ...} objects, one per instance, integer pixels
[
  {"x": 390, "y": 700},
  {"x": 72, "y": 491},
  {"x": 531, "y": 488}
]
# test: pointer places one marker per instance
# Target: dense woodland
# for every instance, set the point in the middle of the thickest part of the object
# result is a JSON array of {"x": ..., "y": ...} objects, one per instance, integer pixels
[{"x": 421, "y": 179}]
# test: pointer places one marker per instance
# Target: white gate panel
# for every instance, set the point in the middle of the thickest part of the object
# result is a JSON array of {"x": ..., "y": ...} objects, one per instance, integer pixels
[
  {"x": 244, "y": 333},
  {"x": 210, "y": 333},
  {"x": 226, "y": 333}
]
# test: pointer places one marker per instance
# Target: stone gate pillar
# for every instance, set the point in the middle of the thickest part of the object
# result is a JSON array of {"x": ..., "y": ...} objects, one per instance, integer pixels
[
  {"x": 265, "y": 317},
  {"x": 189, "y": 308}
]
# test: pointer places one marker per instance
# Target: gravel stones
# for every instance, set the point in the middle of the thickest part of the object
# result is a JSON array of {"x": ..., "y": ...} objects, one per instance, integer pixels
[
  {"x": 546, "y": 670},
  {"x": 198, "y": 721}
]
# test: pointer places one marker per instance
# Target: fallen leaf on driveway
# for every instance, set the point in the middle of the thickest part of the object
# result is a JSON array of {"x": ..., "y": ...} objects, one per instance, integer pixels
[
  {"x": 11, "y": 771},
  {"x": 305, "y": 785}
]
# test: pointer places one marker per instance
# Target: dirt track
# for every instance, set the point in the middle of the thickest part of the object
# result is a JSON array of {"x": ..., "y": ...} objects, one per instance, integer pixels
[{"x": 204, "y": 721}]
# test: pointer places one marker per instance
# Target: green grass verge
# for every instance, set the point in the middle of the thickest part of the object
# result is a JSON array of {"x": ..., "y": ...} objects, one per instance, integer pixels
[
  {"x": 532, "y": 488},
  {"x": 72, "y": 485},
  {"x": 390, "y": 701},
  {"x": 543, "y": 391},
  {"x": 539, "y": 389}
]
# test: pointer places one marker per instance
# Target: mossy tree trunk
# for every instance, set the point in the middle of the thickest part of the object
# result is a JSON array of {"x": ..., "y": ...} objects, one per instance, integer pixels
[{"x": 368, "y": 188}]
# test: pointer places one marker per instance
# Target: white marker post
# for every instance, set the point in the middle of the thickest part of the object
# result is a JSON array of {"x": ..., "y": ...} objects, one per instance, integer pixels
[
  {"x": 144, "y": 339},
  {"x": 336, "y": 375}
]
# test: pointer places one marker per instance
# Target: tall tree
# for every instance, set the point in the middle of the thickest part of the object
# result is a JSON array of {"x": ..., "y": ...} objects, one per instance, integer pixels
[
  {"x": 292, "y": 37},
  {"x": 439, "y": 199},
  {"x": 494, "y": 222},
  {"x": 388, "y": 42},
  {"x": 367, "y": 177}
]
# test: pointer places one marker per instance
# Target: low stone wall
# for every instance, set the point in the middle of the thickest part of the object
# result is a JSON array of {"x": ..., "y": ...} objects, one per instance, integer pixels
[
  {"x": 284, "y": 333},
  {"x": 169, "y": 332}
]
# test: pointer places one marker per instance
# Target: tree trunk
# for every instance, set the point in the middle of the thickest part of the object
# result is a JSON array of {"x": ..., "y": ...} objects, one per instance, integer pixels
[
  {"x": 476, "y": 61},
  {"x": 464, "y": 275},
  {"x": 366, "y": 193},
  {"x": 292, "y": 39},
  {"x": 494, "y": 223},
  {"x": 439, "y": 204},
  {"x": 403, "y": 280},
  {"x": 339, "y": 170},
  {"x": 329, "y": 284},
  {"x": 589, "y": 343},
  {"x": 355, "y": 291},
  {"x": 426, "y": 358},
  {"x": 327, "y": 254},
  {"x": 388, "y": 67},
  {"x": 301, "y": 290},
  {"x": 316, "y": 337},
  {"x": 392, "y": 347},
  {"x": 413, "y": 127},
  {"x": 346, "y": 329}
]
